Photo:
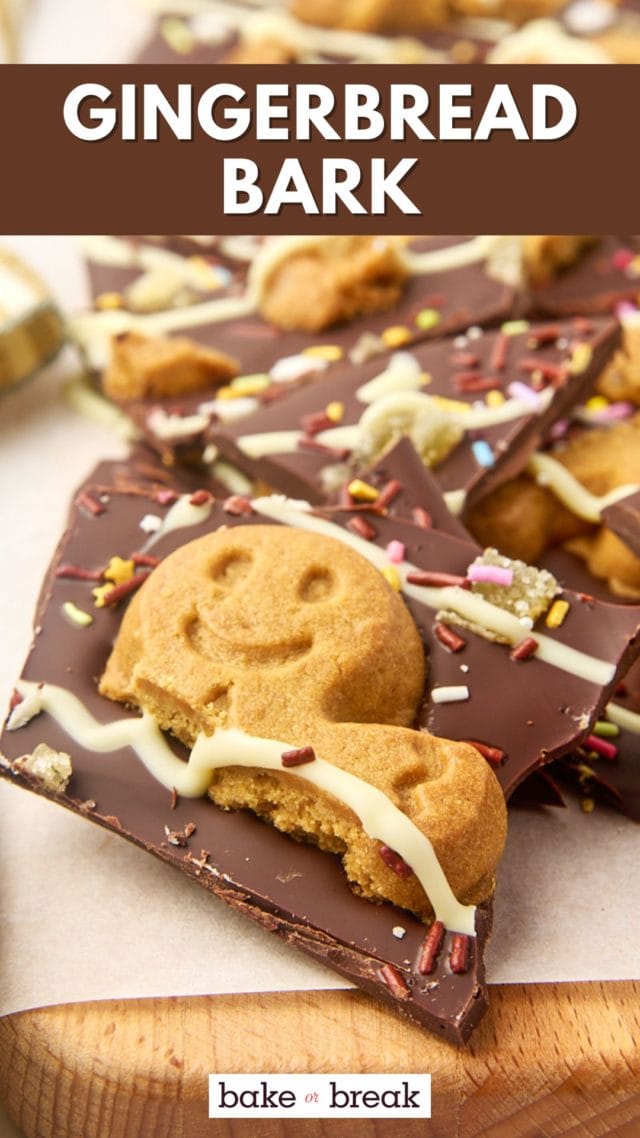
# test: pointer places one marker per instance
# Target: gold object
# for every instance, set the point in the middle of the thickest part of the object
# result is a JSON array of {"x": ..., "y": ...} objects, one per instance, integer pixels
[{"x": 31, "y": 327}]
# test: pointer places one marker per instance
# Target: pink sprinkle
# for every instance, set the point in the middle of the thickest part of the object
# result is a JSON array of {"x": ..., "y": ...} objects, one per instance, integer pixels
[
  {"x": 559, "y": 429},
  {"x": 490, "y": 575},
  {"x": 625, "y": 308},
  {"x": 395, "y": 552},
  {"x": 622, "y": 258},
  {"x": 615, "y": 411},
  {"x": 522, "y": 391},
  {"x": 602, "y": 747}
]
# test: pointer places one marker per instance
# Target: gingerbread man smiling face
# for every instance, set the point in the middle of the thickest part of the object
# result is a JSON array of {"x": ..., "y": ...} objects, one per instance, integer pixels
[{"x": 294, "y": 636}]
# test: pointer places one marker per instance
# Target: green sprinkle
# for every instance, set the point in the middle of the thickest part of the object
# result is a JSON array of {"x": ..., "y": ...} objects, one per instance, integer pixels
[
  {"x": 428, "y": 318},
  {"x": 76, "y": 615},
  {"x": 514, "y": 327},
  {"x": 606, "y": 730}
]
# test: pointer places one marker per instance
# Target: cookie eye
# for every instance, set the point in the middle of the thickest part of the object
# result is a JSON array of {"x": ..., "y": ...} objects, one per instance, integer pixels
[
  {"x": 228, "y": 570},
  {"x": 316, "y": 585}
]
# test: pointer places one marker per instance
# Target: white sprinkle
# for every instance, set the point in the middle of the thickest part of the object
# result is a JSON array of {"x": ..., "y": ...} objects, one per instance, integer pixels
[
  {"x": 460, "y": 342},
  {"x": 399, "y": 932},
  {"x": 150, "y": 523},
  {"x": 453, "y": 694},
  {"x": 464, "y": 668},
  {"x": 474, "y": 333},
  {"x": 526, "y": 622}
]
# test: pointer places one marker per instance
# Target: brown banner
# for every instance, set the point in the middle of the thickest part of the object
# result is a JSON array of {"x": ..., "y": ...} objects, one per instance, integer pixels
[{"x": 483, "y": 180}]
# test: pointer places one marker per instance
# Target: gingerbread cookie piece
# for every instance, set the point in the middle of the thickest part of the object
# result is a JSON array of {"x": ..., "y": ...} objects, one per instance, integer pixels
[
  {"x": 620, "y": 381},
  {"x": 372, "y": 15},
  {"x": 544, "y": 257},
  {"x": 142, "y": 367}
]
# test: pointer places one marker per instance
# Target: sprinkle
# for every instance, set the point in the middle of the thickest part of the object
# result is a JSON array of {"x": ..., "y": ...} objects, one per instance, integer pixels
[
  {"x": 494, "y": 398},
  {"x": 76, "y": 573},
  {"x": 459, "y": 956},
  {"x": 315, "y": 422},
  {"x": 110, "y": 595},
  {"x": 363, "y": 491},
  {"x": 245, "y": 385},
  {"x": 448, "y": 637},
  {"x": 493, "y": 754},
  {"x": 297, "y": 757},
  {"x": 498, "y": 357},
  {"x": 145, "y": 559},
  {"x": 525, "y": 649},
  {"x": 119, "y": 570},
  {"x": 622, "y": 258},
  {"x": 438, "y": 580},
  {"x": 523, "y": 392},
  {"x": 395, "y": 983},
  {"x": 237, "y": 505},
  {"x": 396, "y": 336},
  {"x": 474, "y": 332},
  {"x": 465, "y": 359},
  {"x": 587, "y": 805},
  {"x": 334, "y": 411},
  {"x": 456, "y": 693},
  {"x": 76, "y": 615},
  {"x": 554, "y": 373},
  {"x": 545, "y": 335},
  {"x": 328, "y": 352},
  {"x": 514, "y": 327},
  {"x": 392, "y": 577},
  {"x": 606, "y": 730},
  {"x": 358, "y": 524},
  {"x": 482, "y": 453},
  {"x": 422, "y": 517},
  {"x": 430, "y": 950},
  {"x": 471, "y": 382},
  {"x": 389, "y": 491},
  {"x": 559, "y": 429},
  {"x": 490, "y": 574},
  {"x": 94, "y": 507},
  {"x": 393, "y": 861},
  {"x": 557, "y": 614},
  {"x": 464, "y": 668},
  {"x": 201, "y": 498},
  {"x": 581, "y": 357},
  {"x": 625, "y": 309},
  {"x": 601, "y": 747},
  {"x": 395, "y": 551},
  {"x": 615, "y": 411},
  {"x": 150, "y": 523},
  {"x": 166, "y": 498},
  {"x": 427, "y": 319},
  {"x": 582, "y": 324},
  {"x": 109, "y": 300},
  {"x": 597, "y": 403},
  {"x": 399, "y": 932}
]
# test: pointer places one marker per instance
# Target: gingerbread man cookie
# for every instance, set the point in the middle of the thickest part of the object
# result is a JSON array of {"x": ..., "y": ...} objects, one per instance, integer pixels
[{"x": 263, "y": 633}]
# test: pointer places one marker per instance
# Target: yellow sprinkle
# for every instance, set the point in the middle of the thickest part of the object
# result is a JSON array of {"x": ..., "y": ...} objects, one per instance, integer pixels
[
  {"x": 514, "y": 327},
  {"x": 494, "y": 399},
  {"x": 227, "y": 393},
  {"x": 249, "y": 385},
  {"x": 450, "y": 404},
  {"x": 557, "y": 613},
  {"x": 587, "y": 805},
  {"x": 108, "y": 300},
  {"x": 580, "y": 358},
  {"x": 177, "y": 35},
  {"x": 100, "y": 593},
  {"x": 118, "y": 571},
  {"x": 426, "y": 379},
  {"x": 362, "y": 491},
  {"x": 328, "y": 352},
  {"x": 392, "y": 577},
  {"x": 597, "y": 403},
  {"x": 76, "y": 615},
  {"x": 396, "y": 336},
  {"x": 335, "y": 412}
]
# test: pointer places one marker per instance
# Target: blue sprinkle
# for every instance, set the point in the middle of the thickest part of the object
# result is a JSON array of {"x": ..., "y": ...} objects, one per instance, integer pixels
[
  {"x": 482, "y": 453},
  {"x": 224, "y": 275}
]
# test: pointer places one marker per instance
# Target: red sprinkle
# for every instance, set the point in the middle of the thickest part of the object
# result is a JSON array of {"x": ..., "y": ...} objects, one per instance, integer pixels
[
  {"x": 166, "y": 497},
  {"x": 470, "y": 381},
  {"x": 586, "y": 598},
  {"x": 438, "y": 580},
  {"x": 394, "y": 980},
  {"x": 524, "y": 650},
  {"x": 200, "y": 498},
  {"x": 449, "y": 638},
  {"x": 431, "y": 948},
  {"x": 459, "y": 956},
  {"x": 315, "y": 422},
  {"x": 145, "y": 559},
  {"x": 237, "y": 505},
  {"x": 331, "y": 452},
  {"x": 94, "y": 507},
  {"x": 465, "y": 359},
  {"x": 492, "y": 754},
  {"x": 499, "y": 354},
  {"x": 76, "y": 573},
  {"x": 298, "y": 757},
  {"x": 118, "y": 592},
  {"x": 363, "y": 528},
  {"x": 393, "y": 861},
  {"x": 345, "y": 498},
  {"x": 422, "y": 517},
  {"x": 547, "y": 335},
  {"x": 555, "y": 373},
  {"x": 389, "y": 492},
  {"x": 602, "y": 746}
]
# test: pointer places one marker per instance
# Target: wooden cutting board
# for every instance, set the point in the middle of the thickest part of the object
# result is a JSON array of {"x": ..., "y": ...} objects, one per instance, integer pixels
[{"x": 548, "y": 1060}]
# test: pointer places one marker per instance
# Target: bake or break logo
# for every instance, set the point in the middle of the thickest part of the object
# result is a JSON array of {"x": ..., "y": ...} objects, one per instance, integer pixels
[
  {"x": 320, "y": 1096},
  {"x": 314, "y": 113}
]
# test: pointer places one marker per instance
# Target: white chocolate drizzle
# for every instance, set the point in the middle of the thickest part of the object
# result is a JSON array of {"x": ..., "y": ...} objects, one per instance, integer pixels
[
  {"x": 548, "y": 472},
  {"x": 380, "y": 818},
  {"x": 451, "y": 598},
  {"x": 182, "y": 514}
]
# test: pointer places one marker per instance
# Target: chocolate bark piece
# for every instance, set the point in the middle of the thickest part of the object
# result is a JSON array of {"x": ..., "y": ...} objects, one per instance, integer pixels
[
  {"x": 291, "y": 889},
  {"x": 275, "y": 443},
  {"x": 434, "y": 304},
  {"x": 604, "y": 277},
  {"x": 623, "y": 518}
]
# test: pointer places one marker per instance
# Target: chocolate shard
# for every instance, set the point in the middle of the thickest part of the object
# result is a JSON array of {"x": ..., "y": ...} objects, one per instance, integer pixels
[
  {"x": 623, "y": 517},
  {"x": 603, "y": 277},
  {"x": 430, "y": 392}
]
